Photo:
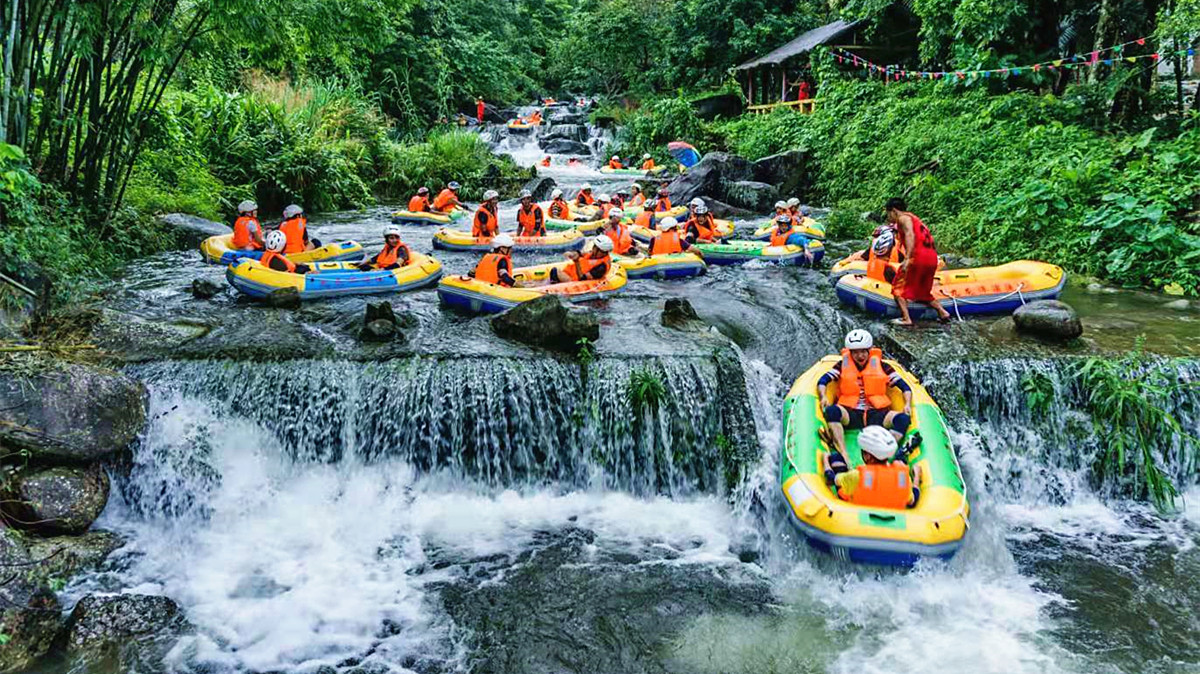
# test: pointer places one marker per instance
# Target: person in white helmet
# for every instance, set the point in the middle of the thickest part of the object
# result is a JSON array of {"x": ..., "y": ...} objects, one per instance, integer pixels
[
  {"x": 487, "y": 219},
  {"x": 647, "y": 162},
  {"x": 701, "y": 227},
  {"x": 247, "y": 230},
  {"x": 559, "y": 208},
  {"x": 637, "y": 198},
  {"x": 863, "y": 395},
  {"x": 662, "y": 202},
  {"x": 620, "y": 197},
  {"x": 496, "y": 266},
  {"x": 883, "y": 479},
  {"x": 585, "y": 198},
  {"x": 615, "y": 163},
  {"x": 668, "y": 240},
  {"x": 295, "y": 228},
  {"x": 395, "y": 253},
  {"x": 447, "y": 200},
  {"x": 420, "y": 203},
  {"x": 531, "y": 220},
  {"x": 618, "y": 233},
  {"x": 273, "y": 257},
  {"x": 604, "y": 202},
  {"x": 592, "y": 265}
]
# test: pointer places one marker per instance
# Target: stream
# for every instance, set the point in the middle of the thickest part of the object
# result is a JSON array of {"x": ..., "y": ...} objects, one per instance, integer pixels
[{"x": 457, "y": 503}]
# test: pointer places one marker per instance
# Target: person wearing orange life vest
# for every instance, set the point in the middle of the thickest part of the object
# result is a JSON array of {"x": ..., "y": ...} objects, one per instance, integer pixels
[
  {"x": 395, "y": 253},
  {"x": 662, "y": 202},
  {"x": 647, "y": 218},
  {"x": 447, "y": 199},
  {"x": 701, "y": 227},
  {"x": 638, "y": 198},
  {"x": 619, "y": 197},
  {"x": 647, "y": 162},
  {"x": 585, "y": 198},
  {"x": 559, "y": 208},
  {"x": 668, "y": 240},
  {"x": 615, "y": 163},
  {"x": 883, "y": 480},
  {"x": 605, "y": 203},
  {"x": 420, "y": 201},
  {"x": 247, "y": 231},
  {"x": 864, "y": 381},
  {"x": 592, "y": 265},
  {"x": 295, "y": 228},
  {"x": 487, "y": 223},
  {"x": 273, "y": 258},
  {"x": 531, "y": 221},
  {"x": 545, "y": 161},
  {"x": 882, "y": 255},
  {"x": 783, "y": 230},
  {"x": 619, "y": 233},
  {"x": 496, "y": 266}
]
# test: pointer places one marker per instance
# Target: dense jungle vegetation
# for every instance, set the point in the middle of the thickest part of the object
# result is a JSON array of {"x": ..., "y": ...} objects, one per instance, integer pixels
[{"x": 115, "y": 110}]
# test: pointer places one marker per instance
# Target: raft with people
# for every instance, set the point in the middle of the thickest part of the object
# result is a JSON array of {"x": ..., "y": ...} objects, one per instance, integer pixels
[
  {"x": 405, "y": 217},
  {"x": 741, "y": 252},
  {"x": 806, "y": 226},
  {"x": 643, "y": 234},
  {"x": 662, "y": 267},
  {"x": 658, "y": 170},
  {"x": 866, "y": 513},
  {"x": 979, "y": 290},
  {"x": 459, "y": 240},
  {"x": 858, "y": 264},
  {"x": 476, "y": 296},
  {"x": 333, "y": 279},
  {"x": 219, "y": 250}
]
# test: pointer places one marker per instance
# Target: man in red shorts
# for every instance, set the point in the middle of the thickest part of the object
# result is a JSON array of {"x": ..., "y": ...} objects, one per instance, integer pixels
[{"x": 914, "y": 281}]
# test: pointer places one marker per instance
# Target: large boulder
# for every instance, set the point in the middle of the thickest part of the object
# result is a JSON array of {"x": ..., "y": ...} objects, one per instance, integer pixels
[
  {"x": 1048, "y": 319},
  {"x": 127, "y": 632},
  {"x": 720, "y": 209},
  {"x": 564, "y": 146},
  {"x": 66, "y": 556},
  {"x": 577, "y": 132},
  {"x": 548, "y": 323},
  {"x": 678, "y": 313},
  {"x": 787, "y": 171},
  {"x": 28, "y": 297},
  {"x": 755, "y": 196},
  {"x": 29, "y": 612},
  {"x": 718, "y": 105},
  {"x": 540, "y": 187},
  {"x": 567, "y": 116},
  {"x": 55, "y": 501},
  {"x": 709, "y": 177},
  {"x": 73, "y": 413},
  {"x": 190, "y": 231}
]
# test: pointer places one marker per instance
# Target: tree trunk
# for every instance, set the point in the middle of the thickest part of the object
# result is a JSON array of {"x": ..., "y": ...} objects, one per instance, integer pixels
[
  {"x": 6, "y": 96},
  {"x": 1104, "y": 26}
]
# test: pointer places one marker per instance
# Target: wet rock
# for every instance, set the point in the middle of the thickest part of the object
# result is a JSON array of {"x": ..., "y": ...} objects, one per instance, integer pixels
[
  {"x": 564, "y": 146},
  {"x": 565, "y": 116},
  {"x": 541, "y": 187},
  {"x": 1049, "y": 319},
  {"x": 755, "y": 196},
  {"x": 548, "y": 323},
  {"x": 72, "y": 413},
  {"x": 678, "y": 313},
  {"x": 203, "y": 289},
  {"x": 68, "y": 556},
  {"x": 133, "y": 338},
  {"x": 503, "y": 114},
  {"x": 380, "y": 311},
  {"x": 55, "y": 501},
  {"x": 718, "y": 105},
  {"x": 21, "y": 309},
  {"x": 575, "y": 132},
  {"x": 128, "y": 632},
  {"x": 787, "y": 171},
  {"x": 378, "y": 331},
  {"x": 1177, "y": 305},
  {"x": 284, "y": 298},
  {"x": 720, "y": 209},
  {"x": 29, "y": 612},
  {"x": 190, "y": 231},
  {"x": 709, "y": 177},
  {"x": 960, "y": 261}
]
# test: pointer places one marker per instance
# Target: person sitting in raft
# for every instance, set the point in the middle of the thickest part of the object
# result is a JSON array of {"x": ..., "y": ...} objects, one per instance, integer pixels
[
  {"x": 247, "y": 230},
  {"x": 496, "y": 266},
  {"x": 615, "y": 163},
  {"x": 662, "y": 202},
  {"x": 295, "y": 228},
  {"x": 619, "y": 197},
  {"x": 638, "y": 198},
  {"x": 781, "y": 208},
  {"x": 646, "y": 218},
  {"x": 546, "y": 161},
  {"x": 605, "y": 203},
  {"x": 395, "y": 253},
  {"x": 701, "y": 227},
  {"x": 883, "y": 479},
  {"x": 531, "y": 220},
  {"x": 487, "y": 223},
  {"x": 592, "y": 265},
  {"x": 273, "y": 258},
  {"x": 647, "y": 162},
  {"x": 447, "y": 199},
  {"x": 863, "y": 383},
  {"x": 618, "y": 233},
  {"x": 420, "y": 201},
  {"x": 559, "y": 208},
  {"x": 585, "y": 198},
  {"x": 668, "y": 240}
]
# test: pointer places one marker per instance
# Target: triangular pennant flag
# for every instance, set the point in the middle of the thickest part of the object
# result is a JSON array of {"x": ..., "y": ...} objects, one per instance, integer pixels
[
  {"x": 1058, "y": 62},
  {"x": 1141, "y": 40},
  {"x": 1118, "y": 48},
  {"x": 1037, "y": 67},
  {"x": 1131, "y": 59},
  {"x": 1016, "y": 71},
  {"x": 1108, "y": 62},
  {"x": 1154, "y": 56},
  {"x": 1095, "y": 56},
  {"x": 987, "y": 73}
]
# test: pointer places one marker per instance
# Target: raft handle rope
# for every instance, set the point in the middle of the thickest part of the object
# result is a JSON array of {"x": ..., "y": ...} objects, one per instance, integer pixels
[{"x": 955, "y": 300}]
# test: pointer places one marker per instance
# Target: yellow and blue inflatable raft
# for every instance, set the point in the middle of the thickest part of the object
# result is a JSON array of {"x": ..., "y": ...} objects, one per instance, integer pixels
[
  {"x": 404, "y": 217},
  {"x": 662, "y": 267},
  {"x": 458, "y": 240},
  {"x": 219, "y": 250},
  {"x": 333, "y": 279},
  {"x": 808, "y": 227},
  {"x": 468, "y": 294}
]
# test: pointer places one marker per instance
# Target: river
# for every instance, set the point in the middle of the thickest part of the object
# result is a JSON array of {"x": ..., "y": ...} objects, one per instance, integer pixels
[{"x": 460, "y": 503}]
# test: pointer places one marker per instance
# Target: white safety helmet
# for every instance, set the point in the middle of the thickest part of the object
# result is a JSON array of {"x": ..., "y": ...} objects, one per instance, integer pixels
[
  {"x": 616, "y": 213},
  {"x": 701, "y": 209},
  {"x": 276, "y": 241},
  {"x": 491, "y": 194},
  {"x": 502, "y": 241},
  {"x": 391, "y": 230},
  {"x": 884, "y": 242},
  {"x": 622, "y": 192},
  {"x": 646, "y": 156},
  {"x": 695, "y": 201},
  {"x": 616, "y": 156},
  {"x": 292, "y": 211},
  {"x": 878, "y": 442},
  {"x": 603, "y": 243},
  {"x": 585, "y": 188},
  {"x": 780, "y": 204},
  {"x": 526, "y": 194},
  {"x": 453, "y": 184},
  {"x": 793, "y": 202},
  {"x": 422, "y": 190},
  {"x": 668, "y": 223},
  {"x": 859, "y": 339},
  {"x": 556, "y": 194},
  {"x": 247, "y": 206},
  {"x": 603, "y": 198}
]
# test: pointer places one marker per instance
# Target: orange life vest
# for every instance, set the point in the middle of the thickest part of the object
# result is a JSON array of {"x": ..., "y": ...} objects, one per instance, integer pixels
[
  {"x": 645, "y": 219},
  {"x": 637, "y": 199},
  {"x": 560, "y": 210},
  {"x": 485, "y": 224},
  {"x": 531, "y": 223},
  {"x": 883, "y": 486},
  {"x": 546, "y": 161},
  {"x": 705, "y": 225},
  {"x": 444, "y": 201},
  {"x": 876, "y": 264},
  {"x": 648, "y": 165},
  {"x": 614, "y": 164},
  {"x": 871, "y": 380},
  {"x": 779, "y": 238},
  {"x": 604, "y": 209},
  {"x": 488, "y": 269},
  {"x": 266, "y": 258},
  {"x": 584, "y": 199},
  {"x": 418, "y": 204},
  {"x": 586, "y": 264},
  {"x": 294, "y": 229},
  {"x": 663, "y": 204},
  {"x": 666, "y": 243},
  {"x": 244, "y": 229},
  {"x": 621, "y": 239},
  {"x": 389, "y": 256}
]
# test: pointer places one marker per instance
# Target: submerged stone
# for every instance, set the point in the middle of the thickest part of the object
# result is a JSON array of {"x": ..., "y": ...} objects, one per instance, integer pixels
[
  {"x": 1049, "y": 319},
  {"x": 548, "y": 323},
  {"x": 284, "y": 298},
  {"x": 203, "y": 289}
]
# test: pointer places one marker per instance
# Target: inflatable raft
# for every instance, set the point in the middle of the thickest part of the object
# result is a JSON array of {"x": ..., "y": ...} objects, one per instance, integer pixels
[
  {"x": 633, "y": 172},
  {"x": 427, "y": 218},
  {"x": 808, "y": 227},
  {"x": 218, "y": 250},
  {"x": 469, "y": 294},
  {"x": 675, "y": 265},
  {"x": 458, "y": 240},
  {"x": 519, "y": 126},
  {"x": 588, "y": 227},
  {"x": 871, "y": 535},
  {"x": 740, "y": 252},
  {"x": 644, "y": 234},
  {"x": 847, "y": 265},
  {"x": 980, "y": 290},
  {"x": 333, "y": 279}
]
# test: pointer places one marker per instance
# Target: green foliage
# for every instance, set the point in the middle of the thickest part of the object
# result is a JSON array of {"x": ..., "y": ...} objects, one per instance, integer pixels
[
  {"x": 658, "y": 123},
  {"x": 646, "y": 391},
  {"x": 586, "y": 354},
  {"x": 447, "y": 155},
  {"x": 1038, "y": 390}
]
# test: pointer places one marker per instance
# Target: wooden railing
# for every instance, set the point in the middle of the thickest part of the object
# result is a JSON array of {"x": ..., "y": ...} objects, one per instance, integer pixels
[{"x": 804, "y": 107}]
